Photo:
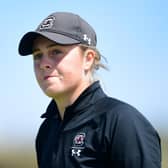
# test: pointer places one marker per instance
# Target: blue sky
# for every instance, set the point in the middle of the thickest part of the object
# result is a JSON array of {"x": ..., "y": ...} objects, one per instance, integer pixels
[{"x": 132, "y": 35}]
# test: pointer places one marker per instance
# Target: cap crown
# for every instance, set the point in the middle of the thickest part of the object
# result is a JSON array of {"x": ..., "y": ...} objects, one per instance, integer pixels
[
  {"x": 61, "y": 27},
  {"x": 70, "y": 25}
]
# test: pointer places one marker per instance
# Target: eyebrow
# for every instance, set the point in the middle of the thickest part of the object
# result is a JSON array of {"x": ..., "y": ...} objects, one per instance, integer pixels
[
  {"x": 52, "y": 45},
  {"x": 35, "y": 50}
]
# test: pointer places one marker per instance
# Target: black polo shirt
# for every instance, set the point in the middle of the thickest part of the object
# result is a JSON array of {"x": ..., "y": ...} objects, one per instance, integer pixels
[{"x": 97, "y": 132}]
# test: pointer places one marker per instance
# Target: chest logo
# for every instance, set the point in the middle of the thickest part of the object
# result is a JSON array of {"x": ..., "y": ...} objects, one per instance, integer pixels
[
  {"x": 78, "y": 144},
  {"x": 76, "y": 152},
  {"x": 79, "y": 139}
]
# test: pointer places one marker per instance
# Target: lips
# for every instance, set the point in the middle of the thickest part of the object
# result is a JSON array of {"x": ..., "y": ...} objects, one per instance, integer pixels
[
  {"x": 47, "y": 77},
  {"x": 50, "y": 76}
]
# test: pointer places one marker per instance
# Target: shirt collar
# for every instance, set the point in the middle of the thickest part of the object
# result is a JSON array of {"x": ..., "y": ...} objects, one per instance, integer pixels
[{"x": 87, "y": 98}]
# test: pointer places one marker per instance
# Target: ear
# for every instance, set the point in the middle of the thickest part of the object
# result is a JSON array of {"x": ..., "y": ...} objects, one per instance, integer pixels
[{"x": 89, "y": 57}]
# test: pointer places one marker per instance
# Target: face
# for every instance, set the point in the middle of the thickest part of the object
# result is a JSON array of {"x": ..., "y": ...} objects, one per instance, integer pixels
[{"x": 59, "y": 70}]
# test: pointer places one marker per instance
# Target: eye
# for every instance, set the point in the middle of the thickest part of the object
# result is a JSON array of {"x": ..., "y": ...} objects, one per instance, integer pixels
[
  {"x": 37, "y": 56},
  {"x": 56, "y": 52}
]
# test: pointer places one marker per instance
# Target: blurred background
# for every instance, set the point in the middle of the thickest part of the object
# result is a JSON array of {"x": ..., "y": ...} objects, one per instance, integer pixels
[{"x": 132, "y": 35}]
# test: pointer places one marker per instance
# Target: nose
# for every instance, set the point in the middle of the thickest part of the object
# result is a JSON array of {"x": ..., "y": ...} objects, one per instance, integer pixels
[{"x": 45, "y": 63}]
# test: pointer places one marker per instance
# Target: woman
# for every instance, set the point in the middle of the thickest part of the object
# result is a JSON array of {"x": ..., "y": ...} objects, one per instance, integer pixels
[{"x": 83, "y": 127}]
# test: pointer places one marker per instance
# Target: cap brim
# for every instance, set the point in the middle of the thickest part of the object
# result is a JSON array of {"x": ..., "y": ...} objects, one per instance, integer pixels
[{"x": 26, "y": 43}]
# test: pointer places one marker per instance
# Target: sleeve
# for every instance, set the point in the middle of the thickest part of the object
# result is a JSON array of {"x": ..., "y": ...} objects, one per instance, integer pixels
[{"x": 134, "y": 143}]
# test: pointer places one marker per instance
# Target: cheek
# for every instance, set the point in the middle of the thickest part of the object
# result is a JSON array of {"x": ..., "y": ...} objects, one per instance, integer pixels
[
  {"x": 74, "y": 74},
  {"x": 37, "y": 73},
  {"x": 75, "y": 67}
]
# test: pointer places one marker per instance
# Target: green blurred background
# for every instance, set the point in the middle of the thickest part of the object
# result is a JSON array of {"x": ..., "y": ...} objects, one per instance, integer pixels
[{"x": 25, "y": 157}]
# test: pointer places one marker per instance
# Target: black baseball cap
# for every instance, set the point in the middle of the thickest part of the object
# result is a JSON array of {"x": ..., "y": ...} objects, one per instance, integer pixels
[{"x": 63, "y": 28}]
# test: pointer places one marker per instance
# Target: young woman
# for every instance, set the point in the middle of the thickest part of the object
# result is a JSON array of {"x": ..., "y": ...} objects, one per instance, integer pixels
[{"x": 83, "y": 127}]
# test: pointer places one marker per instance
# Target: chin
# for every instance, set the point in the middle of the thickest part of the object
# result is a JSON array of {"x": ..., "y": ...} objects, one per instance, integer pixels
[{"x": 51, "y": 92}]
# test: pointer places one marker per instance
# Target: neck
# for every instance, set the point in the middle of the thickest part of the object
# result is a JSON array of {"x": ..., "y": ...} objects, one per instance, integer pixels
[{"x": 68, "y": 98}]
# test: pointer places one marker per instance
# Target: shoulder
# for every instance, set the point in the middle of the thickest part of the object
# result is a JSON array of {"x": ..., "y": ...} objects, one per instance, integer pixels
[
  {"x": 124, "y": 120},
  {"x": 120, "y": 110},
  {"x": 117, "y": 108}
]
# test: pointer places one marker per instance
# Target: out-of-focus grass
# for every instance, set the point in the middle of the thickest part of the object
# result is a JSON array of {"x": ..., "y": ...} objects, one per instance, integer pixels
[
  {"x": 164, "y": 142},
  {"x": 19, "y": 157}
]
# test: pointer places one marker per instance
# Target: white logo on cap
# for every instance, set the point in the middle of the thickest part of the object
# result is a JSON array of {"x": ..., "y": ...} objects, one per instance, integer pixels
[
  {"x": 87, "y": 39},
  {"x": 47, "y": 23}
]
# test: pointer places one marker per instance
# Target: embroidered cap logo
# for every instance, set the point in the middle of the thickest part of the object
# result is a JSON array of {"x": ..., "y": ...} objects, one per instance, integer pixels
[
  {"x": 87, "y": 39},
  {"x": 47, "y": 23}
]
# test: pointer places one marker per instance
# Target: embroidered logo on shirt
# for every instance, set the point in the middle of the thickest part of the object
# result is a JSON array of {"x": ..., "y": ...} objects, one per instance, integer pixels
[
  {"x": 79, "y": 139},
  {"x": 78, "y": 144},
  {"x": 76, "y": 152}
]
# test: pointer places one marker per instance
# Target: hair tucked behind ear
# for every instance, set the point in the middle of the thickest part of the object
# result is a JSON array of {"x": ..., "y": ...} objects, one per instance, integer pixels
[{"x": 97, "y": 61}]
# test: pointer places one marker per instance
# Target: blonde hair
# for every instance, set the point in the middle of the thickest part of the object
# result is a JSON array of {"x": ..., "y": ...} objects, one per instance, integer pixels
[
  {"x": 98, "y": 58},
  {"x": 97, "y": 64}
]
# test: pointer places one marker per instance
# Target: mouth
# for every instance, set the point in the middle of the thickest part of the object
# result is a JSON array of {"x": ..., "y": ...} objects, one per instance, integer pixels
[{"x": 47, "y": 77}]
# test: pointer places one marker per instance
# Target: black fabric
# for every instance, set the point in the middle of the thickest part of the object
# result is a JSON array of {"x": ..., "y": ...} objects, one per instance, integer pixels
[{"x": 97, "y": 132}]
